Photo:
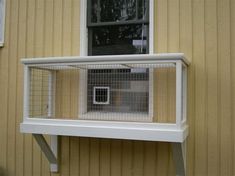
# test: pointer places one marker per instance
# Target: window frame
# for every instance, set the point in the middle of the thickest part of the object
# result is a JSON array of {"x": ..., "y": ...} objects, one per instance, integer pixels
[
  {"x": 84, "y": 37},
  {"x": 2, "y": 30}
]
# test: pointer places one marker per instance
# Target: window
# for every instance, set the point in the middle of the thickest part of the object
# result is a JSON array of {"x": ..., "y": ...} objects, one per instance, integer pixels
[
  {"x": 117, "y": 27},
  {"x": 2, "y": 21}
]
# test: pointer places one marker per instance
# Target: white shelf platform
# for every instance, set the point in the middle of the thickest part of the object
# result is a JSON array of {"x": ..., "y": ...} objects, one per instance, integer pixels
[{"x": 104, "y": 129}]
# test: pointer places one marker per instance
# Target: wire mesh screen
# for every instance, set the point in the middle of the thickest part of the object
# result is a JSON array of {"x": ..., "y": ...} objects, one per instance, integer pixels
[
  {"x": 118, "y": 92},
  {"x": 39, "y": 93}
]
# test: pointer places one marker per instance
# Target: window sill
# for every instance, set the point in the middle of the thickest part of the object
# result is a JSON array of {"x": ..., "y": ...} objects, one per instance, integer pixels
[{"x": 1, "y": 44}]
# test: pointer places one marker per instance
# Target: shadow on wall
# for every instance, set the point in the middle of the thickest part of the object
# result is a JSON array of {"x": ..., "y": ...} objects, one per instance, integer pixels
[{"x": 2, "y": 172}]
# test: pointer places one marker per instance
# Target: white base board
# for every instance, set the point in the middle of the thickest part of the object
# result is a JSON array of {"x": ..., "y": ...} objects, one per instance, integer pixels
[{"x": 103, "y": 129}]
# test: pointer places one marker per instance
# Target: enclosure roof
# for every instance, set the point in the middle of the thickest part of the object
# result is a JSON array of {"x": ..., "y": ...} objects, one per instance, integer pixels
[{"x": 107, "y": 59}]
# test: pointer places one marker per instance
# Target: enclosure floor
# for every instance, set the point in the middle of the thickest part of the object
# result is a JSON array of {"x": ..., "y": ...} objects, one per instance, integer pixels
[{"x": 116, "y": 116}]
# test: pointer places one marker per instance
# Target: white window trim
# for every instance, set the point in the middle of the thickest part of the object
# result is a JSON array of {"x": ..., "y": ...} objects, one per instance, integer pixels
[
  {"x": 3, "y": 26},
  {"x": 84, "y": 52}
]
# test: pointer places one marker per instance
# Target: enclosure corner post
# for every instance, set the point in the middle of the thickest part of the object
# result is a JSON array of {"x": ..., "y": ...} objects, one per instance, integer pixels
[
  {"x": 179, "y": 157},
  {"x": 179, "y": 85},
  {"x": 27, "y": 75}
]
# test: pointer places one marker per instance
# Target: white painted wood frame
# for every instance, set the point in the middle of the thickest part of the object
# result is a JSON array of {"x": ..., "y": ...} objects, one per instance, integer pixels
[{"x": 2, "y": 20}]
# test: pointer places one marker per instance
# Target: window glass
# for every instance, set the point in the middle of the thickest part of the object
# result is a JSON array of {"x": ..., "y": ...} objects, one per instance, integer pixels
[
  {"x": 125, "y": 39},
  {"x": 117, "y": 10},
  {"x": 118, "y": 27}
]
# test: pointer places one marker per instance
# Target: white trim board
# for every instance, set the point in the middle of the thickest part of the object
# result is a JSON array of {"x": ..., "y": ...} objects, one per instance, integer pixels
[
  {"x": 2, "y": 25},
  {"x": 99, "y": 129},
  {"x": 109, "y": 59}
]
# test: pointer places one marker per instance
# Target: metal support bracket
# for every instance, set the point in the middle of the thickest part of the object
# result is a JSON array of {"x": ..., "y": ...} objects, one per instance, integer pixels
[
  {"x": 179, "y": 157},
  {"x": 50, "y": 151}
]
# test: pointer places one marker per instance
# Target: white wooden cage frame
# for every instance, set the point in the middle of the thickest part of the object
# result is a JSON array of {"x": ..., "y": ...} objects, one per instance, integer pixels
[{"x": 167, "y": 132}]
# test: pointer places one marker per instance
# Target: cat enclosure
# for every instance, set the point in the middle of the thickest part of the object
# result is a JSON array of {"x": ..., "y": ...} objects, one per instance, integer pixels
[{"x": 138, "y": 97}]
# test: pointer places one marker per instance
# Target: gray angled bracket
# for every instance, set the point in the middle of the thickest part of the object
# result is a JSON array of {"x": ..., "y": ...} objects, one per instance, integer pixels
[
  {"x": 179, "y": 157},
  {"x": 50, "y": 151}
]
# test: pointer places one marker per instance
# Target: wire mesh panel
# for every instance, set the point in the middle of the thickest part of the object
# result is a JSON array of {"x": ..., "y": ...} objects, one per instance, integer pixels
[
  {"x": 127, "y": 89},
  {"x": 118, "y": 92},
  {"x": 39, "y": 93}
]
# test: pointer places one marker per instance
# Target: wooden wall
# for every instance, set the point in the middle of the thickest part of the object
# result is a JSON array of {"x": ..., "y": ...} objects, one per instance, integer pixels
[{"x": 203, "y": 29}]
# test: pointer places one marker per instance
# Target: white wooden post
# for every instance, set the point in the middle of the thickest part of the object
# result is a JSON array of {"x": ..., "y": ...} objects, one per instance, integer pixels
[
  {"x": 27, "y": 77},
  {"x": 184, "y": 94},
  {"x": 51, "y": 113},
  {"x": 178, "y": 93},
  {"x": 51, "y": 93}
]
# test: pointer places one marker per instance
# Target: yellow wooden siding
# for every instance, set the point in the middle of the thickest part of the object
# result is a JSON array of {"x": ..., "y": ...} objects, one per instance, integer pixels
[
  {"x": 164, "y": 95},
  {"x": 203, "y": 29}
]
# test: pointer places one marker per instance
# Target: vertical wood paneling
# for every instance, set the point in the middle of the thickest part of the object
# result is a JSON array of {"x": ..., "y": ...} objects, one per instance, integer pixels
[
  {"x": 66, "y": 100},
  {"x": 48, "y": 28},
  {"x": 203, "y": 29},
  {"x": 57, "y": 27},
  {"x": 138, "y": 158},
  {"x": 186, "y": 46},
  {"x": 225, "y": 87},
  {"x": 232, "y": 47},
  {"x": 173, "y": 25},
  {"x": 150, "y": 159},
  {"x": 164, "y": 95},
  {"x": 84, "y": 156},
  {"x": 47, "y": 51},
  {"x": 160, "y": 26},
  {"x": 65, "y": 160},
  {"x": 28, "y": 150},
  {"x": 127, "y": 147},
  {"x": 38, "y": 52},
  {"x": 11, "y": 87},
  {"x": 22, "y": 15},
  {"x": 200, "y": 87},
  {"x": 232, "y": 20},
  {"x": 4, "y": 78},
  {"x": 105, "y": 157},
  {"x": 74, "y": 156},
  {"x": 75, "y": 27},
  {"x": 212, "y": 86},
  {"x": 94, "y": 157},
  {"x": 161, "y": 39},
  {"x": 74, "y": 142},
  {"x": 116, "y": 158}
]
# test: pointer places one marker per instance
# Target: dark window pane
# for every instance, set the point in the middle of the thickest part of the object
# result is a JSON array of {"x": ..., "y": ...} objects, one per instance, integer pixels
[
  {"x": 117, "y": 10},
  {"x": 142, "y": 9},
  {"x": 114, "y": 40}
]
